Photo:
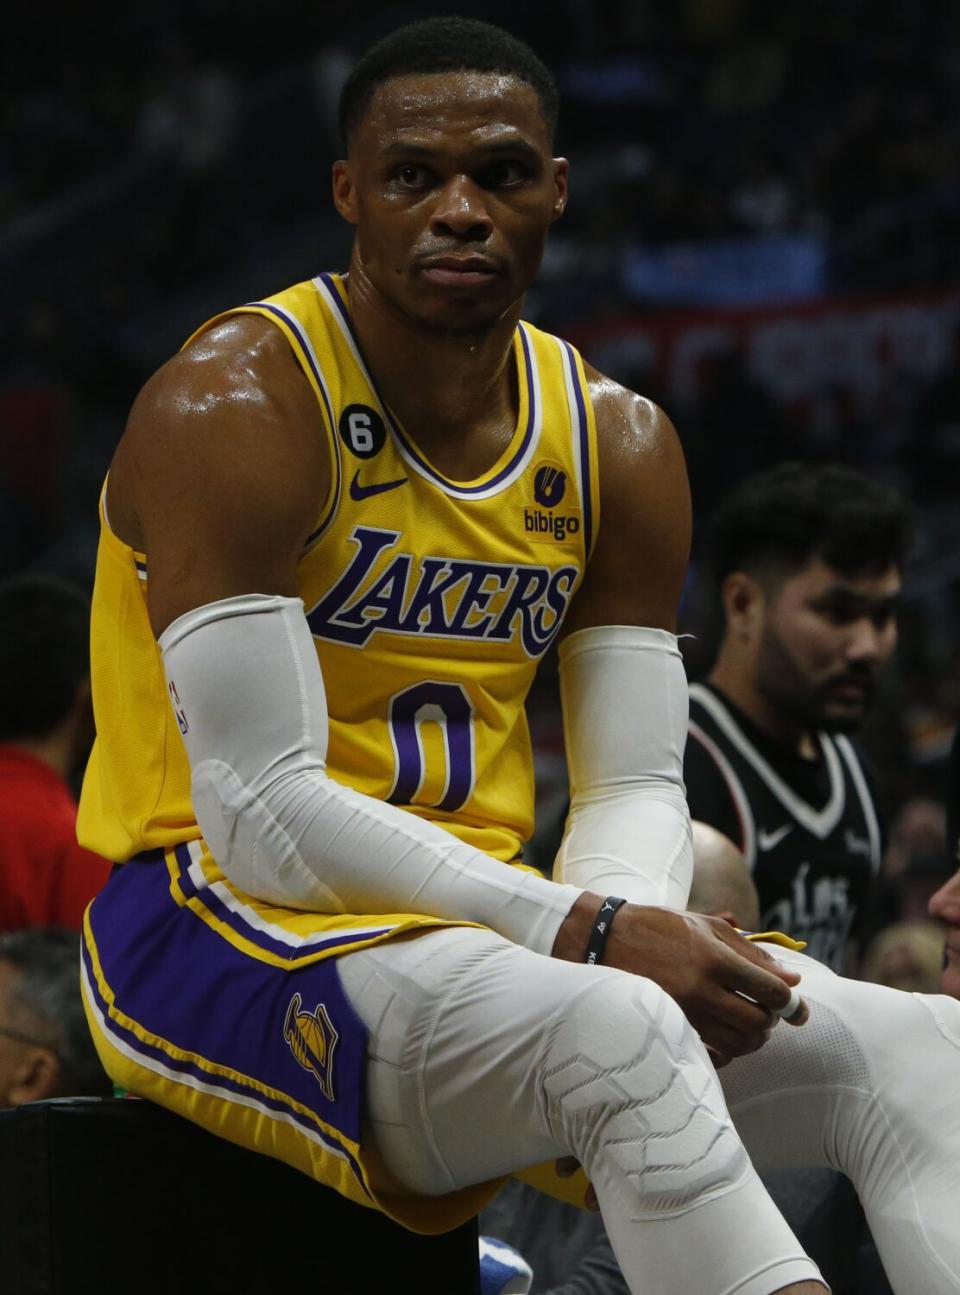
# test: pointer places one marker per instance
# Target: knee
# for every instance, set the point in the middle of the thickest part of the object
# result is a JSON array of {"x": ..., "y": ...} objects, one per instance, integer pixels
[{"x": 629, "y": 1088}]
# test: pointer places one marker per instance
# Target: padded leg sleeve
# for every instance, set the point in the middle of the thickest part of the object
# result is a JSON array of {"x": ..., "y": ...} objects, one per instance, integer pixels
[
  {"x": 867, "y": 1086},
  {"x": 486, "y": 1058}
]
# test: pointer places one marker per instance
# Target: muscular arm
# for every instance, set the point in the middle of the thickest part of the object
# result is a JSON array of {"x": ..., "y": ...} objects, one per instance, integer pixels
[
  {"x": 221, "y": 471},
  {"x": 624, "y": 690},
  {"x": 638, "y": 566},
  {"x": 625, "y": 711}
]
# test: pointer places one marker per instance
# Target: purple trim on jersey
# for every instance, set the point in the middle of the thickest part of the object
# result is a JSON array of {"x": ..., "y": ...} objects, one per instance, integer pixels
[
  {"x": 408, "y": 446},
  {"x": 294, "y": 325},
  {"x": 584, "y": 449},
  {"x": 238, "y": 923},
  {"x": 341, "y": 305},
  {"x": 182, "y": 982}
]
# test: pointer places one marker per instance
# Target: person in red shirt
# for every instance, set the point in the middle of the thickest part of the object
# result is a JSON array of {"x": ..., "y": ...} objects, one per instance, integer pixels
[{"x": 46, "y": 727}]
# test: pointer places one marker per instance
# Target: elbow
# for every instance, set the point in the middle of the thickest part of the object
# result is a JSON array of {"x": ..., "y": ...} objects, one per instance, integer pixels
[{"x": 250, "y": 843}]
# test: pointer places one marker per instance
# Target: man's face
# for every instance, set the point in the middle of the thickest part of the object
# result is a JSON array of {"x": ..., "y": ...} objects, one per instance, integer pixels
[
  {"x": 823, "y": 640},
  {"x": 945, "y": 907},
  {"x": 452, "y": 187}
]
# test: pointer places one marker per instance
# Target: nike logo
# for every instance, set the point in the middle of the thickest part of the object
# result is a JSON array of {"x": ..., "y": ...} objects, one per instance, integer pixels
[
  {"x": 767, "y": 840},
  {"x": 358, "y": 492}
]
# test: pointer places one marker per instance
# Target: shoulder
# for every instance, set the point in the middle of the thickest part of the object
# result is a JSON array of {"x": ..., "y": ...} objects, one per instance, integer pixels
[
  {"x": 640, "y": 557},
  {"x": 641, "y": 465},
  {"x": 631, "y": 429},
  {"x": 232, "y": 409},
  {"x": 240, "y": 368},
  {"x": 222, "y": 469}
]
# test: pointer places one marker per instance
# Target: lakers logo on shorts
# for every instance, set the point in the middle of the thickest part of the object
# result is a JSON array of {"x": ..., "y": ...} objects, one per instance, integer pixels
[{"x": 312, "y": 1039}]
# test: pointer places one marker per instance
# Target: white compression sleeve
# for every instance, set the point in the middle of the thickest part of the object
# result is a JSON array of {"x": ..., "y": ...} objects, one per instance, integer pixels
[
  {"x": 247, "y": 683},
  {"x": 625, "y": 710}
]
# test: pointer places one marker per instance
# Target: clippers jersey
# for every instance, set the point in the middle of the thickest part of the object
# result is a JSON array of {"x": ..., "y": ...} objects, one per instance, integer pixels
[
  {"x": 808, "y": 829},
  {"x": 431, "y": 602}
]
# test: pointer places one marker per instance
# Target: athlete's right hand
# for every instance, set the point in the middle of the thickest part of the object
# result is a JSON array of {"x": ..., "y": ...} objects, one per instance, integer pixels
[{"x": 729, "y": 989}]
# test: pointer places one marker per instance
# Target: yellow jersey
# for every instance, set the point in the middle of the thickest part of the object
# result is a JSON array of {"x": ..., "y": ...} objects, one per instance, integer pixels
[{"x": 431, "y": 602}]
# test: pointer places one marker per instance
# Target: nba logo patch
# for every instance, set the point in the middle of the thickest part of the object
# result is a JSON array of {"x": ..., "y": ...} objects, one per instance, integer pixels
[{"x": 312, "y": 1039}]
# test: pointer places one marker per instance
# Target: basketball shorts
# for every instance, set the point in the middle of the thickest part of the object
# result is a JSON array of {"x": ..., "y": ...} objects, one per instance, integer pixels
[{"x": 238, "y": 1024}]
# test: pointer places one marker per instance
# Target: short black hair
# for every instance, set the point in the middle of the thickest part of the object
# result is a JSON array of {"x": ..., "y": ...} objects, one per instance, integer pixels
[
  {"x": 44, "y": 999},
  {"x": 444, "y": 44},
  {"x": 44, "y": 653},
  {"x": 777, "y": 521}
]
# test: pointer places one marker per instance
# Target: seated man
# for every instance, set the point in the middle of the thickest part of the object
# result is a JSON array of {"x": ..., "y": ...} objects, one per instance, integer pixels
[{"x": 341, "y": 528}]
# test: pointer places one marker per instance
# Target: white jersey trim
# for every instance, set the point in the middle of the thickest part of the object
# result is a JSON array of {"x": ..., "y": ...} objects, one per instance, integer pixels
[
  {"x": 845, "y": 746},
  {"x": 819, "y": 823},
  {"x": 735, "y": 788},
  {"x": 250, "y": 916},
  {"x": 303, "y": 337}
]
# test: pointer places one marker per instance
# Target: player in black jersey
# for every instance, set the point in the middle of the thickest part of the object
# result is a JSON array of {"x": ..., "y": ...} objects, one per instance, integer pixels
[{"x": 807, "y": 562}]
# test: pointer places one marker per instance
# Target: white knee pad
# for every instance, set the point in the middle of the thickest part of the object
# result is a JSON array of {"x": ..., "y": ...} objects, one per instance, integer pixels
[{"x": 630, "y": 1089}]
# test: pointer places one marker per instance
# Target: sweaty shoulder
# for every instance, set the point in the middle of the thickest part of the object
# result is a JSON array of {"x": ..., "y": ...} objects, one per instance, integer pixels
[
  {"x": 221, "y": 470},
  {"x": 636, "y": 573}
]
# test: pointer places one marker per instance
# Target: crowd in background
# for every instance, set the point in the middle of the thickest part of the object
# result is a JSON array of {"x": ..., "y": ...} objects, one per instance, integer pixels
[{"x": 739, "y": 170}]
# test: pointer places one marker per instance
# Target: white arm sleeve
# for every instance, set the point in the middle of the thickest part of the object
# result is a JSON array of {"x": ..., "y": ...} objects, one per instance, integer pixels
[
  {"x": 625, "y": 711},
  {"x": 249, "y": 697}
]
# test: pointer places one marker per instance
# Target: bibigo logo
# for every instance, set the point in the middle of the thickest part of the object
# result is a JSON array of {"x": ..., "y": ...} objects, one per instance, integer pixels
[{"x": 549, "y": 488}]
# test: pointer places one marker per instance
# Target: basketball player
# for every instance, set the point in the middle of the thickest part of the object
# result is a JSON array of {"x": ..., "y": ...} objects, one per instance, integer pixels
[
  {"x": 807, "y": 562},
  {"x": 341, "y": 528}
]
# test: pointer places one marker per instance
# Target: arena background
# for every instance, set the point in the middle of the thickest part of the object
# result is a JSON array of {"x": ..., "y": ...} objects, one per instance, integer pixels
[{"x": 763, "y": 234}]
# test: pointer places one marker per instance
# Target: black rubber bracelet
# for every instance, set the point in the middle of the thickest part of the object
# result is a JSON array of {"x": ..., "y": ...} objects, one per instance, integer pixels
[{"x": 601, "y": 928}]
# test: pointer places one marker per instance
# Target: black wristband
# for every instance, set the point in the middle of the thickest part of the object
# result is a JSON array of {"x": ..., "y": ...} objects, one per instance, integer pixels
[{"x": 601, "y": 928}]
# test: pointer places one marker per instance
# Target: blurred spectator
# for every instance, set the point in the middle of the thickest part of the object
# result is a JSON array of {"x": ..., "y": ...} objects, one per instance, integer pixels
[
  {"x": 46, "y": 728},
  {"x": 907, "y": 955},
  {"x": 919, "y": 829},
  {"x": 45, "y": 1045},
  {"x": 806, "y": 561},
  {"x": 914, "y": 864}
]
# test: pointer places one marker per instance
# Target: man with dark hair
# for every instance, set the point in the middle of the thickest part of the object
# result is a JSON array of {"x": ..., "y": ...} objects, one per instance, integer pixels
[
  {"x": 46, "y": 727},
  {"x": 445, "y": 45},
  {"x": 341, "y": 529},
  {"x": 45, "y": 1045},
  {"x": 807, "y": 562}
]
